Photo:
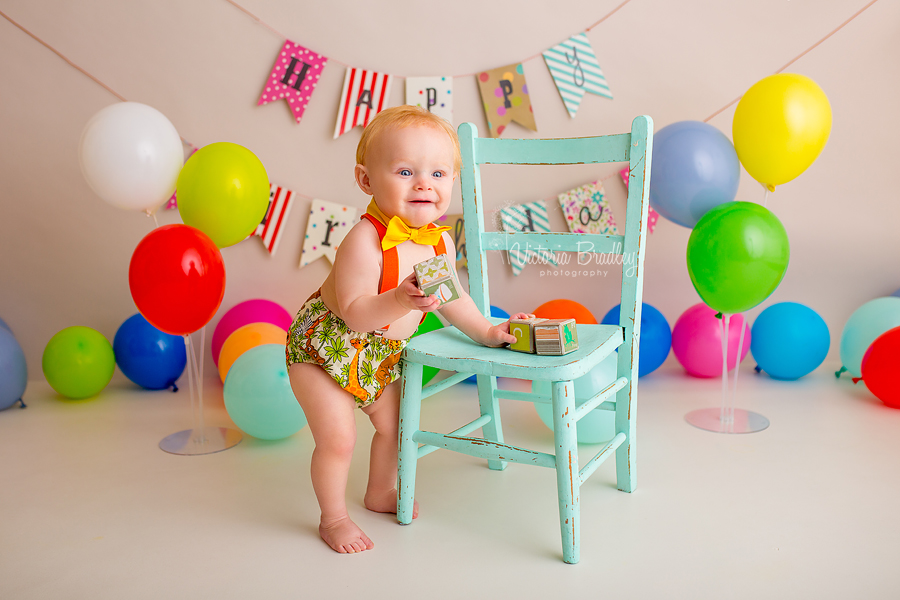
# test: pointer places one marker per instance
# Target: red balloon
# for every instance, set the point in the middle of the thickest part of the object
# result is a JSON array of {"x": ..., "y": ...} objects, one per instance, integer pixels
[
  {"x": 177, "y": 278},
  {"x": 565, "y": 309},
  {"x": 881, "y": 367}
]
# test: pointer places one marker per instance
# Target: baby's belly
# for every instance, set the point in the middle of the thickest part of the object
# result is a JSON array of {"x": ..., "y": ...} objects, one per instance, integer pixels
[{"x": 404, "y": 327}]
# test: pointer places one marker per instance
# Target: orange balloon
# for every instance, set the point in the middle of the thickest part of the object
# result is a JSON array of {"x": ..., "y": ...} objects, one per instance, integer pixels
[
  {"x": 565, "y": 309},
  {"x": 244, "y": 338}
]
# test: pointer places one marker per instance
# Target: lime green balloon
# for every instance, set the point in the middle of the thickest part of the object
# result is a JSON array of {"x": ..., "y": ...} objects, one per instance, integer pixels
[
  {"x": 430, "y": 323},
  {"x": 78, "y": 362},
  {"x": 737, "y": 255},
  {"x": 223, "y": 191}
]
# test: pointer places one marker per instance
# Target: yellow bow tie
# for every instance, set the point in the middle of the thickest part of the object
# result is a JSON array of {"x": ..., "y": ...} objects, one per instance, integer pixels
[{"x": 398, "y": 231}]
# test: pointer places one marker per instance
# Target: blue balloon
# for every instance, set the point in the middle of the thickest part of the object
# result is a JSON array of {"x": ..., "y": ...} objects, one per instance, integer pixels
[
  {"x": 789, "y": 340},
  {"x": 896, "y": 294},
  {"x": 694, "y": 169},
  {"x": 3, "y": 325},
  {"x": 149, "y": 357},
  {"x": 500, "y": 314},
  {"x": 656, "y": 337},
  {"x": 13, "y": 370}
]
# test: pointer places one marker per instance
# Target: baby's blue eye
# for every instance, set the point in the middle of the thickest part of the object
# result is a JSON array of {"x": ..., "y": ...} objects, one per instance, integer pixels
[
  {"x": 437, "y": 174},
  {"x": 406, "y": 172}
]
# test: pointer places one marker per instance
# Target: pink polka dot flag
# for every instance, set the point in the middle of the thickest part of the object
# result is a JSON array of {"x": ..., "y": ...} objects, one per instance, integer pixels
[{"x": 293, "y": 78}]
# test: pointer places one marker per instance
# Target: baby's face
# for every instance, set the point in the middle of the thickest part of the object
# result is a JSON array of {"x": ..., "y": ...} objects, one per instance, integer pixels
[{"x": 410, "y": 173}]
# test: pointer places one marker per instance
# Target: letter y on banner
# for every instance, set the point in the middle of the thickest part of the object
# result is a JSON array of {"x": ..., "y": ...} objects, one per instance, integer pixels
[
  {"x": 365, "y": 95},
  {"x": 575, "y": 70},
  {"x": 293, "y": 78}
]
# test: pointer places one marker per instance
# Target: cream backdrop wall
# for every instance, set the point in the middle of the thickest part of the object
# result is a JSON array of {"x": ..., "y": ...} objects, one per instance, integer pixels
[{"x": 64, "y": 253}]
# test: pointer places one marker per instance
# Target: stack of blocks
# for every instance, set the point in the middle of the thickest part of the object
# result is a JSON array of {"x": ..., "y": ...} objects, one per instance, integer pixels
[
  {"x": 544, "y": 336},
  {"x": 436, "y": 276}
]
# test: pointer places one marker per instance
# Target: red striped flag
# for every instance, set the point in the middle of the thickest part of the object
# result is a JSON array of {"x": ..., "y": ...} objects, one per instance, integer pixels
[
  {"x": 365, "y": 95},
  {"x": 272, "y": 226}
]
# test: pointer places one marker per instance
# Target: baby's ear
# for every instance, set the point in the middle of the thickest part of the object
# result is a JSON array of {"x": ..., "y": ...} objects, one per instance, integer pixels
[{"x": 362, "y": 178}]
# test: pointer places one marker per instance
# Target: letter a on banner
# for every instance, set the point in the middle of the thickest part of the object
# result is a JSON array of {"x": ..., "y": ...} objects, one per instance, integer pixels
[
  {"x": 293, "y": 78},
  {"x": 365, "y": 95},
  {"x": 575, "y": 70}
]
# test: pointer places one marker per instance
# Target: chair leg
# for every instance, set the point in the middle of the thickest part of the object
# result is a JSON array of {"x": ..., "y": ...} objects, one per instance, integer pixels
[
  {"x": 489, "y": 405},
  {"x": 566, "y": 440},
  {"x": 626, "y": 467},
  {"x": 410, "y": 406}
]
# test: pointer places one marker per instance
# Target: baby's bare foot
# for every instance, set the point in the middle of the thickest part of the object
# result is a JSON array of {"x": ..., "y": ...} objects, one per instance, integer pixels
[
  {"x": 386, "y": 502},
  {"x": 344, "y": 536}
]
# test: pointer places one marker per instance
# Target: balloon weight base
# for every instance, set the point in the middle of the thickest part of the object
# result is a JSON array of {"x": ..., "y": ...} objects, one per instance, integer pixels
[
  {"x": 201, "y": 441},
  {"x": 742, "y": 421}
]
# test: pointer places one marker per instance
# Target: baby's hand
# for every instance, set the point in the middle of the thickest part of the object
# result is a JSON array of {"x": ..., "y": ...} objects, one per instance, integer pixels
[
  {"x": 499, "y": 334},
  {"x": 410, "y": 296}
]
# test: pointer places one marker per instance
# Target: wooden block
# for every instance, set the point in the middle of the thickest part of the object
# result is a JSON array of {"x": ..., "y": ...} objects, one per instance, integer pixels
[
  {"x": 436, "y": 276},
  {"x": 556, "y": 336},
  {"x": 523, "y": 329}
]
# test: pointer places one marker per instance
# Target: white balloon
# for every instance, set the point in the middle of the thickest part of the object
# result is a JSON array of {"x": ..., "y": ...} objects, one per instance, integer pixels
[{"x": 130, "y": 155}]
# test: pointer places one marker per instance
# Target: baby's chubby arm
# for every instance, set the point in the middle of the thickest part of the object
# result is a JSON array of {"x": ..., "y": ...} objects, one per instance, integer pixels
[{"x": 356, "y": 273}]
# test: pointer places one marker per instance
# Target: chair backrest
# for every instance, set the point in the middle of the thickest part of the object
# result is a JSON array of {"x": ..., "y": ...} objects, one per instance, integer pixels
[{"x": 634, "y": 148}]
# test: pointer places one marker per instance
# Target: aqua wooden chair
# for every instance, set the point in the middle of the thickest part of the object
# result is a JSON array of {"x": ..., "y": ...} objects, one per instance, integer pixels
[{"x": 450, "y": 349}]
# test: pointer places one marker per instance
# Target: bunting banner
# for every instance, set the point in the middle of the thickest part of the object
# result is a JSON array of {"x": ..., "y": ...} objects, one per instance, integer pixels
[
  {"x": 531, "y": 216},
  {"x": 575, "y": 70},
  {"x": 272, "y": 225},
  {"x": 653, "y": 217},
  {"x": 173, "y": 201},
  {"x": 328, "y": 223},
  {"x": 587, "y": 211},
  {"x": 435, "y": 94},
  {"x": 293, "y": 78},
  {"x": 504, "y": 94},
  {"x": 456, "y": 223},
  {"x": 365, "y": 95}
]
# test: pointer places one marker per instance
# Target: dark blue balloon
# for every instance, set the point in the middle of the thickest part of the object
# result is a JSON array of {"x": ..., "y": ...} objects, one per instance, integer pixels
[
  {"x": 656, "y": 337},
  {"x": 13, "y": 370},
  {"x": 897, "y": 293},
  {"x": 148, "y": 357},
  {"x": 789, "y": 340},
  {"x": 500, "y": 314},
  {"x": 694, "y": 169}
]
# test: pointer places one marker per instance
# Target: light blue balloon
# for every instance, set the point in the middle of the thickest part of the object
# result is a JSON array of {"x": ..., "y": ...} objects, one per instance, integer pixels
[
  {"x": 865, "y": 324},
  {"x": 789, "y": 340},
  {"x": 13, "y": 370},
  {"x": 3, "y": 325},
  {"x": 694, "y": 169},
  {"x": 896, "y": 294},
  {"x": 258, "y": 395},
  {"x": 598, "y": 426}
]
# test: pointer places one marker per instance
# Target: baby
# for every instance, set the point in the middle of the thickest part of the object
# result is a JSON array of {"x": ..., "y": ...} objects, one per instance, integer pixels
[{"x": 344, "y": 347}]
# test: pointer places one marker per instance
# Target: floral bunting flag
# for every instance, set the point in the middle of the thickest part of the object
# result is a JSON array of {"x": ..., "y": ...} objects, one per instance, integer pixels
[
  {"x": 272, "y": 225},
  {"x": 328, "y": 223},
  {"x": 575, "y": 70},
  {"x": 435, "y": 94},
  {"x": 504, "y": 94},
  {"x": 587, "y": 211},
  {"x": 365, "y": 95},
  {"x": 653, "y": 217},
  {"x": 293, "y": 78},
  {"x": 531, "y": 216}
]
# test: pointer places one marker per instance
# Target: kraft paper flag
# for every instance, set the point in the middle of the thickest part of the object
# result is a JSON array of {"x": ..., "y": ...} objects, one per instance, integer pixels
[
  {"x": 272, "y": 226},
  {"x": 458, "y": 234},
  {"x": 504, "y": 94},
  {"x": 586, "y": 210},
  {"x": 435, "y": 94},
  {"x": 365, "y": 95},
  {"x": 575, "y": 70},
  {"x": 293, "y": 78},
  {"x": 328, "y": 223},
  {"x": 531, "y": 216},
  {"x": 653, "y": 217}
]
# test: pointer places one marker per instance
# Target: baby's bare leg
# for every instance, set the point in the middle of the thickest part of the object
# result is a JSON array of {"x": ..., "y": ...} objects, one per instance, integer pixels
[
  {"x": 329, "y": 412},
  {"x": 381, "y": 492}
]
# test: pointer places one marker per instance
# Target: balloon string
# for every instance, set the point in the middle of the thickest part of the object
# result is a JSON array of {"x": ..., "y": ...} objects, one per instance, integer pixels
[
  {"x": 190, "y": 370},
  {"x": 765, "y": 201},
  {"x": 201, "y": 433},
  {"x": 737, "y": 366},
  {"x": 722, "y": 335}
]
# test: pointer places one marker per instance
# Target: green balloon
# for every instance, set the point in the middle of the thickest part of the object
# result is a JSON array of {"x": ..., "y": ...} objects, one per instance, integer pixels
[
  {"x": 737, "y": 255},
  {"x": 430, "y": 323},
  {"x": 78, "y": 362}
]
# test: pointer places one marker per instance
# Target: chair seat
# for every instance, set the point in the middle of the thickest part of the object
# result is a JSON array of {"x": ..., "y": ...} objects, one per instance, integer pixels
[{"x": 449, "y": 348}]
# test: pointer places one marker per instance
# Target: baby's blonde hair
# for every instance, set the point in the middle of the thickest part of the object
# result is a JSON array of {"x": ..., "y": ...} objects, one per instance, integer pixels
[{"x": 403, "y": 116}]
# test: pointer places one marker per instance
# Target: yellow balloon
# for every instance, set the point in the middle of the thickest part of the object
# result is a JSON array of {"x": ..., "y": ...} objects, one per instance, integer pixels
[
  {"x": 780, "y": 127},
  {"x": 223, "y": 191},
  {"x": 244, "y": 338}
]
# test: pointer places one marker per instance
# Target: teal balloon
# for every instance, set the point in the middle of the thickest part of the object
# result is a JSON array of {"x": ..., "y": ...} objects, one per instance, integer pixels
[
  {"x": 737, "y": 255},
  {"x": 596, "y": 427},
  {"x": 258, "y": 395},
  {"x": 865, "y": 324},
  {"x": 789, "y": 340}
]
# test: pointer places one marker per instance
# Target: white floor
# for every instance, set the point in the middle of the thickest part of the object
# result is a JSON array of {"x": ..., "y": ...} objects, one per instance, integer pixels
[{"x": 809, "y": 508}]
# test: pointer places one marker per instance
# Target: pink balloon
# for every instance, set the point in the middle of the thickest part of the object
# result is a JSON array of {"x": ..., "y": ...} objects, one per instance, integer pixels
[
  {"x": 697, "y": 342},
  {"x": 249, "y": 311}
]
